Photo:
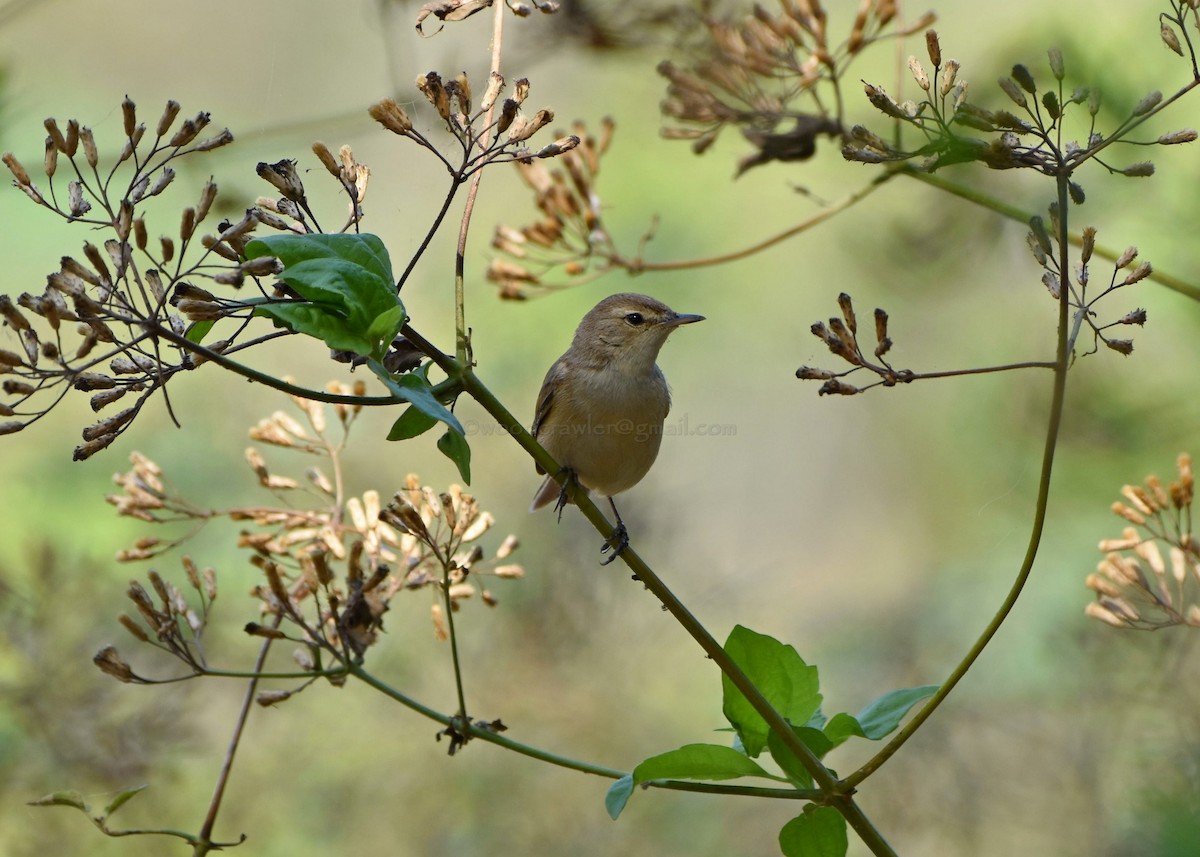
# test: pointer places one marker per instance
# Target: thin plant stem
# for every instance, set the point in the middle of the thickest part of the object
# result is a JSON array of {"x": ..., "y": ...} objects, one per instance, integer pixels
[
  {"x": 204, "y": 845},
  {"x": 492, "y": 737},
  {"x": 1053, "y": 429}
]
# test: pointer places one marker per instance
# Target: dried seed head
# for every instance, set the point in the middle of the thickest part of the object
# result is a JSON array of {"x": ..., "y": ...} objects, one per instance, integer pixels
[
  {"x": 51, "y": 126},
  {"x": 89, "y": 146},
  {"x": 492, "y": 91},
  {"x": 1022, "y": 76},
  {"x": 431, "y": 87},
  {"x": 933, "y": 47},
  {"x": 390, "y": 115},
  {"x": 918, "y": 72},
  {"x": 50, "y": 161},
  {"x": 1139, "y": 273},
  {"x": 1187, "y": 135},
  {"x": 327, "y": 160},
  {"x": 18, "y": 171},
  {"x": 111, "y": 663},
  {"x": 1167, "y": 33},
  {"x": 282, "y": 175},
  {"x": 949, "y": 75},
  {"x": 129, "y": 116},
  {"x": 222, "y": 139},
  {"x": 1013, "y": 91}
]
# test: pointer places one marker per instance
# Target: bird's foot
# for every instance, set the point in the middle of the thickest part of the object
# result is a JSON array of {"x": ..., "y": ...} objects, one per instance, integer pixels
[
  {"x": 564, "y": 497},
  {"x": 616, "y": 542}
]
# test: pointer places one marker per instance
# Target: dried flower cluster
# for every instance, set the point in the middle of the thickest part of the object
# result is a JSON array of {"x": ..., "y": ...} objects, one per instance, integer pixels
[
  {"x": 492, "y": 131},
  {"x": 757, "y": 69},
  {"x": 104, "y": 323},
  {"x": 330, "y": 569},
  {"x": 570, "y": 237},
  {"x": 1137, "y": 586},
  {"x": 1031, "y": 137},
  {"x": 840, "y": 336},
  {"x": 1043, "y": 245}
]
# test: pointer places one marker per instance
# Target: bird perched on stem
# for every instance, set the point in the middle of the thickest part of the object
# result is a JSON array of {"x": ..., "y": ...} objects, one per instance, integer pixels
[{"x": 602, "y": 405}]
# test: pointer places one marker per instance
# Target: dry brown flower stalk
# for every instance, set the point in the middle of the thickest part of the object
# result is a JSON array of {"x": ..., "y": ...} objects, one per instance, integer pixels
[
  {"x": 330, "y": 566},
  {"x": 772, "y": 69},
  {"x": 570, "y": 237},
  {"x": 1149, "y": 577}
]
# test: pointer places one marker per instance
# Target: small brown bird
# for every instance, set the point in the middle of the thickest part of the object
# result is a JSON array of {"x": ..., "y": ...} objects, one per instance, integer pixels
[{"x": 601, "y": 409}]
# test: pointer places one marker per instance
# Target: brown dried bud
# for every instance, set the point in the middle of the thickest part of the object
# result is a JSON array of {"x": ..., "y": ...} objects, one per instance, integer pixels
[
  {"x": 50, "y": 162},
  {"x": 111, "y": 663},
  {"x": 431, "y": 87},
  {"x": 1123, "y": 346},
  {"x": 1088, "y": 244},
  {"x": 390, "y": 115},
  {"x": 282, "y": 175},
  {"x": 492, "y": 91},
  {"x": 1187, "y": 135},
  {"x": 934, "y": 48},
  {"x": 222, "y": 139},
  {"x": 1138, "y": 317},
  {"x": 327, "y": 160},
  {"x": 76, "y": 204},
  {"x": 169, "y": 115},
  {"x": 1139, "y": 273},
  {"x": 52, "y": 129},
  {"x": 107, "y": 397},
  {"x": 12, "y": 315},
  {"x": 129, "y": 116},
  {"x": 848, "y": 312},
  {"x": 1022, "y": 76},
  {"x": 949, "y": 75},
  {"x": 18, "y": 171},
  {"x": 1141, "y": 170}
]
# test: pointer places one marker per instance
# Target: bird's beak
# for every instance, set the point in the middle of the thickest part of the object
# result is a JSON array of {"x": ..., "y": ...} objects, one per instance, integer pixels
[{"x": 683, "y": 318}]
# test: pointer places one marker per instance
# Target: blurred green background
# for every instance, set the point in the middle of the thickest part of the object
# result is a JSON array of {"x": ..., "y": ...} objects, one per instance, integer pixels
[{"x": 876, "y": 534}]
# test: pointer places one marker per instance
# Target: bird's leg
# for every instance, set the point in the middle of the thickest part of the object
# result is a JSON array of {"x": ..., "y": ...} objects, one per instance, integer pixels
[
  {"x": 618, "y": 540},
  {"x": 564, "y": 491}
]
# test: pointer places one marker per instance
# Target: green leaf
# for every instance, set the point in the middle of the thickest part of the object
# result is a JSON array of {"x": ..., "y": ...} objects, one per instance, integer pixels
[
  {"x": 121, "y": 799},
  {"x": 699, "y": 762},
  {"x": 820, "y": 831},
  {"x": 67, "y": 798},
  {"x": 318, "y": 322},
  {"x": 618, "y": 795},
  {"x": 346, "y": 282},
  {"x": 454, "y": 446},
  {"x": 413, "y": 388},
  {"x": 814, "y": 739},
  {"x": 411, "y": 423},
  {"x": 880, "y": 717},
  {"x": 788, "y": 683},
  {"x": 883, "y": 715},
  {"x": 198, "y": 330}
]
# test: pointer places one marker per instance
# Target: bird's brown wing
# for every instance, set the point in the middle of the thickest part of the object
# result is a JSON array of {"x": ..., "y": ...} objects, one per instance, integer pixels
[{"x": 545, "y": 400}]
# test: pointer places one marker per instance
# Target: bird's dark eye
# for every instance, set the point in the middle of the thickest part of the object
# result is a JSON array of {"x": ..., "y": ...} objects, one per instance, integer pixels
[{"x": 634, "y": 318}]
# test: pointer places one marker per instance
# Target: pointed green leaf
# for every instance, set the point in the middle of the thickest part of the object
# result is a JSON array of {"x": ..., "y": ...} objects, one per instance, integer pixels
[
  {"x": 883, "y": 715},
  {"x": 454, "y": 446},
  {"x": 788, "y": 683},
  {"x": 350, "y": 299},
  {"x": 841, "y": 727},
  {"x": 814, "y": 739},
  {"x": 413, "y": 388},
  {"x": 198, "y": 330},
  {"x": 411, "y": 423},
  {"x": 618, "y": 795},
  {"x": 880, "y": 717},
  {"x": 699, "y": 762},
  {"x": 66, "y": 798},
  {"x": 820, "y": 831},
  {"x": 122, "y": 798}
]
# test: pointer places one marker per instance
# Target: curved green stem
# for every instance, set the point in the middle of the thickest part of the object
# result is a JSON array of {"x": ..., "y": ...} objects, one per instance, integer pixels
[{"x": 1053, "y": 429}]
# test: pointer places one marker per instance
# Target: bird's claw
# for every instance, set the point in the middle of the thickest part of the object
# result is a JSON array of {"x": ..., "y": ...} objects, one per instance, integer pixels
[{"x": 617, "y": 542}]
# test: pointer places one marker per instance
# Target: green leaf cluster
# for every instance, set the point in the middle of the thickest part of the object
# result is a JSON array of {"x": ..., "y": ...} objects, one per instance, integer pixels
[
  {"x": 793, "y": 689},
  {"x": 348, "y": 300}
]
